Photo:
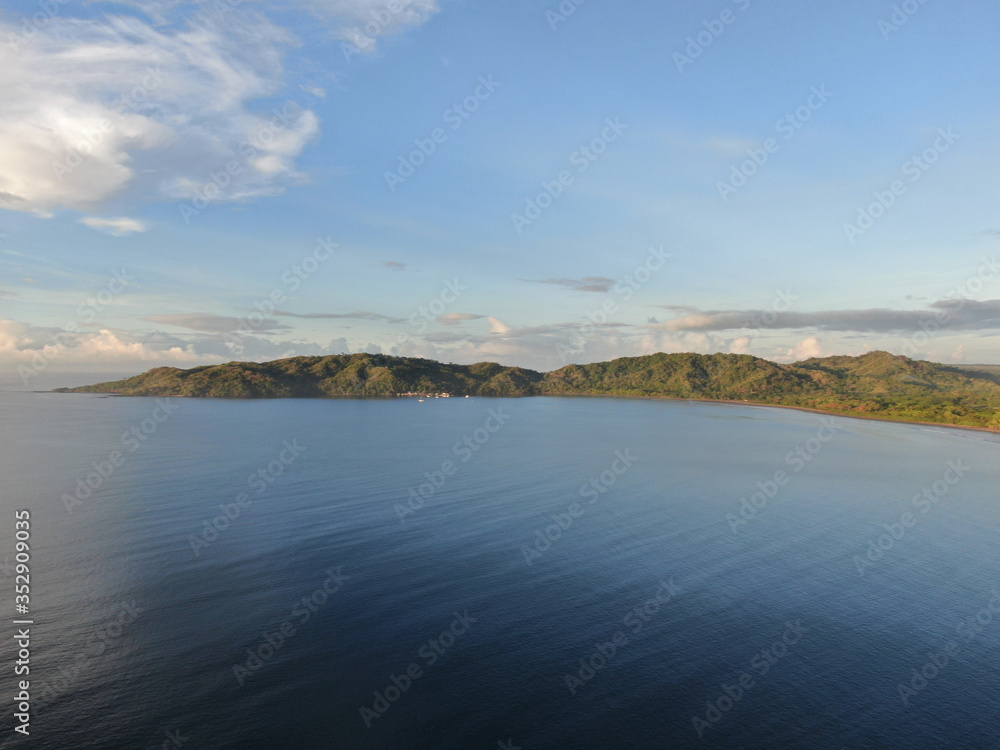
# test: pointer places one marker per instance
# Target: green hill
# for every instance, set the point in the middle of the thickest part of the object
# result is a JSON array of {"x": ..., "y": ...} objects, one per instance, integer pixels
[
  {"x": 715, "y": 376},
  {"x": 358, "y": 375},
  {"x": 877, "y": 384}
]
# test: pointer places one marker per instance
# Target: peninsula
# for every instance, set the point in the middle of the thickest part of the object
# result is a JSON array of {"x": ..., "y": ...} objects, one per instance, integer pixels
[{"x": 877, "y": 385}]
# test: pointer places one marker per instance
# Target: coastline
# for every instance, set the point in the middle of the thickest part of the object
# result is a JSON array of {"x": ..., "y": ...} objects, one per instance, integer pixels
[{"x": 944, "y": 425}]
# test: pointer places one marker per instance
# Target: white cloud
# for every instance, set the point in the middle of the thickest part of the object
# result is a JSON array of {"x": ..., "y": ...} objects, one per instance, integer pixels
[
  {"x": 37, "y": 348},
  {"x": 98, "y": 109},
  {"x": 454, "y": 318},
  {"x": 740, "y": 346},
  {"x": 106, "y": 345},
  {"x": 361, "y": 23},
  {"x": 12, "y": 336},
  {"x": 116, "y": 227},
  {"x": 317, "y": 91},
  {"x": 498, "y": 326},
  {"x": 338, "y": 346},
  {"x": 807, "y": 348},
  {"x": 92, "y": 110},
  {"x": 658, "y": 340}
]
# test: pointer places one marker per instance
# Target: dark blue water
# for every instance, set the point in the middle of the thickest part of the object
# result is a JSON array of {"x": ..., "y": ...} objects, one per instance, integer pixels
[{"x": 789, "y": 632}]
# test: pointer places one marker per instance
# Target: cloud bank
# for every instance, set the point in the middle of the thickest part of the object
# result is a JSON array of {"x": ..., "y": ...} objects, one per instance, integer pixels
[{"x": 955, "y": 314}]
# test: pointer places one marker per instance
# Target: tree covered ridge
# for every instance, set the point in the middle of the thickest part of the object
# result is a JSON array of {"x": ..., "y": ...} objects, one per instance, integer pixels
[
  {"x": 877, "y": 384},
  {"x": 359, "y": 375}
]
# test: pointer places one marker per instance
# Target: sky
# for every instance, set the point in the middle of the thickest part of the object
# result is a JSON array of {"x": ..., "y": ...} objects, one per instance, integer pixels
[{"x": 532, "y": 183}]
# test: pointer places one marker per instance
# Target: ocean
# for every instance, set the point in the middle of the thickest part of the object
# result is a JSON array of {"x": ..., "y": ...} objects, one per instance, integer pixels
[{"x": 496, "y": 573}]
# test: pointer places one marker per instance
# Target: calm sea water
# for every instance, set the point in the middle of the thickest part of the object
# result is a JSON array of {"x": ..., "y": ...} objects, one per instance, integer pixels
[{"x": 580, "y": 577}]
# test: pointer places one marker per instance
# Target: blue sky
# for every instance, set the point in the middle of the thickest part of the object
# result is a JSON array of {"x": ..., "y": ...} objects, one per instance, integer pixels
[{"x": 778, "y": 179}]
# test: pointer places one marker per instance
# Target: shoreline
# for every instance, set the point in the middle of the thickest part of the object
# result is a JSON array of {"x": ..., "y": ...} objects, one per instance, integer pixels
[{"x": 945, "y": 425}]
